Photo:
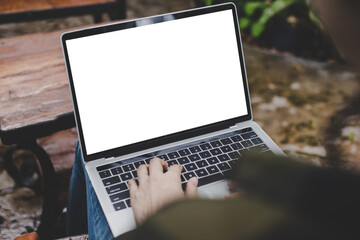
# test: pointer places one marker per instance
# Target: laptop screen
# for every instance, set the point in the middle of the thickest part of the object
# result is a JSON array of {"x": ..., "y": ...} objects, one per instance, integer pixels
[{"x": 152, "y": 80}]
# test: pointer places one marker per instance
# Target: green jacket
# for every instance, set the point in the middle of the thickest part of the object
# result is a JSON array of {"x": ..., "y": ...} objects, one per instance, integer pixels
[{"x": 283, "y": 199}]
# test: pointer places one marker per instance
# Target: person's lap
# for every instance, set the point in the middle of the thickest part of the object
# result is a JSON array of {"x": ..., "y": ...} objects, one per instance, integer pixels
[{"x": 84, "y": 213}]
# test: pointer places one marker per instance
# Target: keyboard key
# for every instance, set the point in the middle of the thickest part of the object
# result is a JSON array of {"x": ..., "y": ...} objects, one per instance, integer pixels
[
  {"x": 226, "y": 149},
  {"x": 205, "y": 154},
  {"x": 189, "y": 175},
  {"x": 110, "y": 181},
  {"x": 116, "y": 171},
  {"x": 173, "y": 155},
  {"x": 256, "y": 141},
  {"x": 205, "y": 146},
  {"x": 190, "y": 167},
  {"x": 128, "y": 203},
  {"x": 212, "y": 160},
  {"x": 226, "y": 141},
  {"x": 223, "y": 157},
  {"x": 202, "y": 163},
  {"x": 182, "y": 178},
  {"x": 183, "y": 160},
  {"x": 163, "y": 157},
  {"x": 236, "y": 138},
  {"x": 120, "y": 196},
  {"x": 194, "y": 157},
  {"x": 236, "y": 146},
  {"x": 201, "y": 172},
  {"x": 248, "y": 135},
  {"x": 184, "y": 152},
  {"x": 243, "y": 151},
  {"x": 134, "y": 173},
  {"x": 223, "y": 166},
  {"x": 172, "y": 162},
  {"x": 195, "y": 149},
  {"x": 116, "y": 188},
  {"x": 105, "y": 174},
  {"x": 137, "y": 164},
  {"x": 148, "y": 160},
  {"x": 212, "y": 169},
  {"x": 232, "y": 163},
  {"x": 215, "y": 151},
  {"x": 119, "y": 206},
  {"x": 128, "y": 168},
  {"x": 259, "y": 148},
  {"x": 216, "y": 144},
  {"x": 234, "y": 155},
  {"x": 126, "y": 176},
  {"x": 247, "y": 143},
  {"x": 210, "y": 179}
]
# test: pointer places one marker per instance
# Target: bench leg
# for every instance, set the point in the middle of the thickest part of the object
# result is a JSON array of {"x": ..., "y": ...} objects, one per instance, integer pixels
[{"x": 51, "y": 207}]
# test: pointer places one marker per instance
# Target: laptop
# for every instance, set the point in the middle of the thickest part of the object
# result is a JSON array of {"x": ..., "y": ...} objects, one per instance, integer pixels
[{"x": 172, "y": 86}]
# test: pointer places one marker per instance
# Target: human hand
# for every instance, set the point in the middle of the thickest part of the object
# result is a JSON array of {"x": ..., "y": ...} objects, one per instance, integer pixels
[
  {"x": 235, "y": 190},
  {"x": 156, "y": 188}
]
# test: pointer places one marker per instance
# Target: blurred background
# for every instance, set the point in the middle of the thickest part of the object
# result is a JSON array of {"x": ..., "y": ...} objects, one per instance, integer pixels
[{"x": 303, "y": 93}]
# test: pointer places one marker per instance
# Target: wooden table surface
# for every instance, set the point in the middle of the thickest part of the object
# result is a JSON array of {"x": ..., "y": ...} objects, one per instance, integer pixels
[
  {"x": 14, "y": 6},
  {"x": 34, "y": 93}
]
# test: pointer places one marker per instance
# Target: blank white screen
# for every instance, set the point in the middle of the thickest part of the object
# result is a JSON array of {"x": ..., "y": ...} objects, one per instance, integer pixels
[{"x": 145, "y": 82}]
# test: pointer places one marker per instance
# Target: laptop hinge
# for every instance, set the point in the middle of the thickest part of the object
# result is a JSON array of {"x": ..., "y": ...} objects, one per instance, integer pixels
[
  {"x": 109, "y": 158},
  {"x": 236, "y": 125}
]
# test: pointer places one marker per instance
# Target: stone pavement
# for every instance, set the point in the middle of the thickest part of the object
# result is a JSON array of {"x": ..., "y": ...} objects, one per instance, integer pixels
[{"x": 309, "y": 108}]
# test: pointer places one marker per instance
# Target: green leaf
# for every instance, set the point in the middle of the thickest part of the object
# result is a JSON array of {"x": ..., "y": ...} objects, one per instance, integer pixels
[
  {"x": 257, "y": 29},
  {"x": 351, "y": 136},
  {"x": 270, "y": 11},
  {"x": 208, "y": 2},
  {"x": 250, "y": 7},
  {"x": 244, "y": 23},
  {"x": 315, "y": 20}
]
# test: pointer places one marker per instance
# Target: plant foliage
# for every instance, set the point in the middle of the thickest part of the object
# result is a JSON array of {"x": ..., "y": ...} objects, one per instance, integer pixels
[{"x": 255, "y": 15}]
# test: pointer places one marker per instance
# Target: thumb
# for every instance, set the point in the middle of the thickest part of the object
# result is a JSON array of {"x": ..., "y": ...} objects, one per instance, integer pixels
[{"x": 191, "y": 188}]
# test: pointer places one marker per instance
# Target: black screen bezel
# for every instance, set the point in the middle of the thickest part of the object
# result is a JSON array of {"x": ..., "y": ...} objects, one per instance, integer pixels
[{"x": 171, "y": 137}]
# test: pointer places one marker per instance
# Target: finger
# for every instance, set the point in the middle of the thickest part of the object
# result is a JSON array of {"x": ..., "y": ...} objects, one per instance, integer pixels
[
  {"x": 176, "y": 168},
  {"x": 143, "y": 172},
  {"x": 191, "y": 188},
  {"x": 233, "y": 186},
  {"x": 157, "y": 166},
  {"x": 232, "y": 195},
  {"x": 133, "y": 187}
]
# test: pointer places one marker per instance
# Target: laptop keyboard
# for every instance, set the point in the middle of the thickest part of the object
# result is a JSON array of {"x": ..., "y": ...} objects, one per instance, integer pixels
[{"x": 207, "y": 160}]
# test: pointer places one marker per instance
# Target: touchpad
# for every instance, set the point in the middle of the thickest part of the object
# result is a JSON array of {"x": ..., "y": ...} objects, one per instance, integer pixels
[{"x": 214, "y": 191}]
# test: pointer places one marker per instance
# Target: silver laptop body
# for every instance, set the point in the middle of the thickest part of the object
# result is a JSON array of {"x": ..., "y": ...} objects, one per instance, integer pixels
[{"x": 172, "y": 86}]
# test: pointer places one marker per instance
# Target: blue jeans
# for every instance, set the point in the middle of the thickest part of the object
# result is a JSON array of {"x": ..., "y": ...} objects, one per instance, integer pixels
[{"x": 84, "y": 213}]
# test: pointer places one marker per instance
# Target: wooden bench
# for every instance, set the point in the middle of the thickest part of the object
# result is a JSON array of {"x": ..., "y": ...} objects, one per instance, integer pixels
[
  {"x": 36, "y": 113},
  {"x": 28, "y": 10}
]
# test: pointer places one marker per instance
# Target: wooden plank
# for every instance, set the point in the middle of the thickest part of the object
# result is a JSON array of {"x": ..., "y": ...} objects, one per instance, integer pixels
[
  {"x": 34, "y": 94},
  {"x": 33, "y": 89},
  {"x": 16, "y": 6},
  {"x": 29, "y": 44}
]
